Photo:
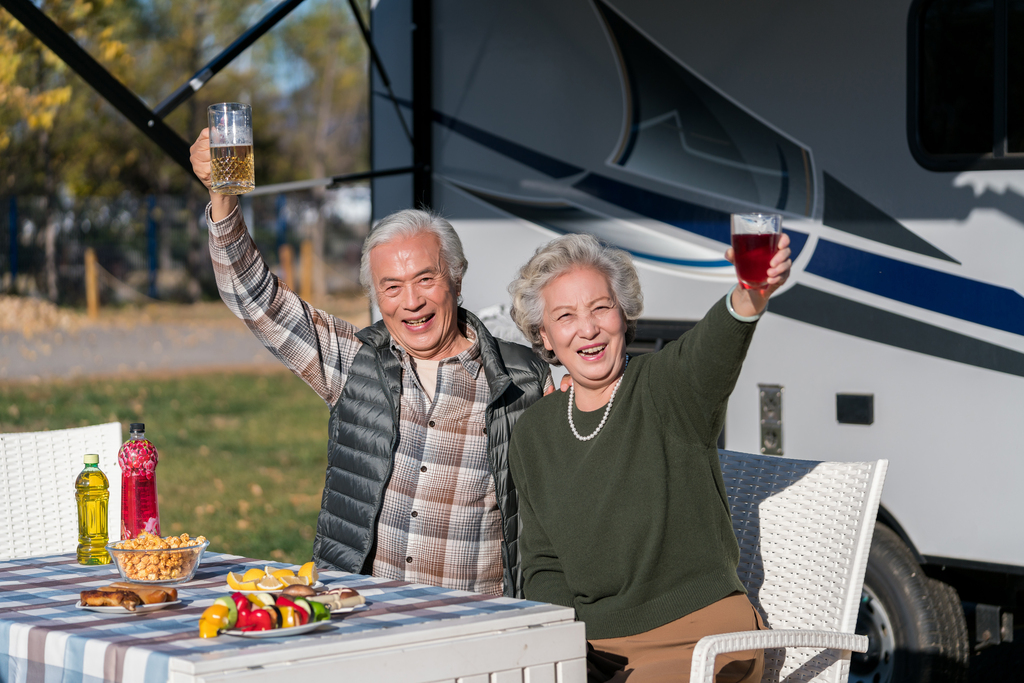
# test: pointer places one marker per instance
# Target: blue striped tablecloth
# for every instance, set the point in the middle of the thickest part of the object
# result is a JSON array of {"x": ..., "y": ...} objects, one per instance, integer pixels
[{"x": 44, "y": 638}]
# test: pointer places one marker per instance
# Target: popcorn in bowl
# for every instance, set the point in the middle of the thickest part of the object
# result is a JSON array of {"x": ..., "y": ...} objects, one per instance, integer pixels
[{"x": 148, "y": 558}]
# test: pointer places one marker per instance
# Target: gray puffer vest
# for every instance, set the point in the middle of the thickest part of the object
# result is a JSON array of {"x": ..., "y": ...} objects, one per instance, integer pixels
[{"x": 362, "y": 436}]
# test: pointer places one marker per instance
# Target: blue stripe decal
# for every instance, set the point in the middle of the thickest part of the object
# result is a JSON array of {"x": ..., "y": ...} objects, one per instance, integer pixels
[
  {"x": 850, "y": 317},
  {"x": 683, "y": 215},
  {"x": 691, "y": 217},
  {"x": 680, "y": 262},
  {"x": 959, "y": 297},
  {"x": 639, "y": 254},
  {"x": 569, "y": 220}
]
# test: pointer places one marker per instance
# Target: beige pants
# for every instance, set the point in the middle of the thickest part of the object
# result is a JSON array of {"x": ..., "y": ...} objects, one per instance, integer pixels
[{"x": 664, "y": 653}]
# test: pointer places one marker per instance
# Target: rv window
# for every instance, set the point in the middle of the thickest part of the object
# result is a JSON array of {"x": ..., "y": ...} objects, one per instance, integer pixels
[
  {"x": 965, "y": 87},
  {"x": 956, "y": 77}
]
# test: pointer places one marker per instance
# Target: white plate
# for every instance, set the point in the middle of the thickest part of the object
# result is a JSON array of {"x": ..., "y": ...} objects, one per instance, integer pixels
[
  {"x": 139, "y": 609},
  {"x": 346, "y": 610},
  {"x": 316, "y": 586},
  {"x": 278, "y": 632}
]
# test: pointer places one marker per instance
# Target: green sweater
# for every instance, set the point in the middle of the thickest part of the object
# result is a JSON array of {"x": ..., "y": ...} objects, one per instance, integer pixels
[{"x": 632, "y": 528}]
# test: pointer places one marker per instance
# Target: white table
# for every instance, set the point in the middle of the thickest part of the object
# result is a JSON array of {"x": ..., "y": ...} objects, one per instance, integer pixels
[{"x": 409, "y": 633}]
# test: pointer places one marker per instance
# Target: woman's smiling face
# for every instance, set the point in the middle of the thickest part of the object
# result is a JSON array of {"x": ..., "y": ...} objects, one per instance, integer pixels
[{"x": 584, "y": 327}]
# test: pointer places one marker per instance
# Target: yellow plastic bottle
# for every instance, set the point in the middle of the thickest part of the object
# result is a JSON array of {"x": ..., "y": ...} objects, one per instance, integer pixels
[{"x": 91, "y": 492}]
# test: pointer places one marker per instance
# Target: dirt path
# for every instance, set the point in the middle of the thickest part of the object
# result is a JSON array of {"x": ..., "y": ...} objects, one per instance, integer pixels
[{"x": 39, "y": 342}]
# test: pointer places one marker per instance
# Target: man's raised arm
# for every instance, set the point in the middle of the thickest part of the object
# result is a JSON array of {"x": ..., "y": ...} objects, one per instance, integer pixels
[{"x": 313, "y": 344}]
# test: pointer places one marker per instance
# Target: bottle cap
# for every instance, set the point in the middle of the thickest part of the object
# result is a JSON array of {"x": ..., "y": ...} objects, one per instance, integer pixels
[
  {"x": 91, "y": 459},
  {"x": 137, "y": 427}
]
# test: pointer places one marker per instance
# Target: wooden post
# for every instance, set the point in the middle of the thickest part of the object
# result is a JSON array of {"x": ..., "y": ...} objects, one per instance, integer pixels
[
  {"x": 306, "y": 264},
  {"x": 286, "y": 255},
  {"x": 92, "y": 292}
]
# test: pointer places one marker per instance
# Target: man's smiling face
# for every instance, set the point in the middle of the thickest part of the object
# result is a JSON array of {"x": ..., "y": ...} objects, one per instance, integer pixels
[{"x": 417, "y": 299}]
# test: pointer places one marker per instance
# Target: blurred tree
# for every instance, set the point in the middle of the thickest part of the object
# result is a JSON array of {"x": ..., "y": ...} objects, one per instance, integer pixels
[
  {"x": 37, "y": 104},
  {"x": 306, "y": 81},
  {"x": 329, "y": 81},
  {"x": 324, "y": 41},
  {"x": 179, "y": 37}
]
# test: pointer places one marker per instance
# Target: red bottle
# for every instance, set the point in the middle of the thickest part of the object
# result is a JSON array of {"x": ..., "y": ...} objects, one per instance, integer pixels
[{"x": 137, "y": 459}]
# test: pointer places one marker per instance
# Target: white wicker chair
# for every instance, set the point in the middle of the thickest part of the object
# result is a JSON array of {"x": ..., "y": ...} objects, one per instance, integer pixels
[
  {"x": 38, "y": 513},
  {"x": 804, "y": 530}
]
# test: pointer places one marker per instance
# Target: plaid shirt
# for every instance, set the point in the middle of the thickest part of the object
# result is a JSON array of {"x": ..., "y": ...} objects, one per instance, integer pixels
[{"x": 439, "y": 522}]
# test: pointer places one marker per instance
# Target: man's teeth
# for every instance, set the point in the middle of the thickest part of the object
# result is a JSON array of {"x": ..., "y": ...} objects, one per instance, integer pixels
[
  {"x": 592, "y": 351},
  {"x": 418, "y": 322}
]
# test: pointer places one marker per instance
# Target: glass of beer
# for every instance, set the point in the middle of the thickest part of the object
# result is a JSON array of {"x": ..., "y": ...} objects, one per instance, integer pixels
[
  {"x": 231, "y": 148},
  {"x": 755, "y": 239}
]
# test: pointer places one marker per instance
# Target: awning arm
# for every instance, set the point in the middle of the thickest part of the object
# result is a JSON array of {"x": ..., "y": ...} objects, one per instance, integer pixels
[
  {"x": 331, "y": 183},
  {"x": 224, "y": 58},
  {"x": 380, "y": 67}
]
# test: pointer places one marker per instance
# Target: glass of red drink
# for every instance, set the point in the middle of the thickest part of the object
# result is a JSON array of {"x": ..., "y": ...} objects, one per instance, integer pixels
[{"x": 755, "y": 239}]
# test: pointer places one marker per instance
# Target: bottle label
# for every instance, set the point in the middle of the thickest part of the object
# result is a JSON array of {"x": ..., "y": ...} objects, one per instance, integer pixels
[{"x": 138, "y": 458}]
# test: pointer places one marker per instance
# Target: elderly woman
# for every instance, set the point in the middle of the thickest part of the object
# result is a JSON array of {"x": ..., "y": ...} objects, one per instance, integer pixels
[{"x": 623, "y": 507}]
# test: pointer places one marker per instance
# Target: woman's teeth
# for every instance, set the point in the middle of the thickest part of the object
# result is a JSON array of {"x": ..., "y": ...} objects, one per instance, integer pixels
[{"x": 592, "y": 351}]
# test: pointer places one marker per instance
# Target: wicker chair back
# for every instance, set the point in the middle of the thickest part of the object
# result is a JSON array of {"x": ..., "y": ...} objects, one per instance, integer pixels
[
  {"x": 38, "y": 514},
  {"x": 804, "y": 530}
]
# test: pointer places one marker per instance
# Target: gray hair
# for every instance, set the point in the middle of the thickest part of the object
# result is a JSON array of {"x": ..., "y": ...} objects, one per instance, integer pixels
[
  {"x": 558, "y": 257},
  {"x": 409, "y": 223}
]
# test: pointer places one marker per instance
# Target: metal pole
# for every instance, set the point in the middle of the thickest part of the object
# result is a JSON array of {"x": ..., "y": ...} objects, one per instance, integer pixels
[
  {"x": 376, "y": 61},
  {"x": 151, "y": 244},
  {"x": 331, "y": 183},
  {"x": 339, "y": 180},
  {"x": 422, "y": 104},
  {"x": 186, "y": 90}
]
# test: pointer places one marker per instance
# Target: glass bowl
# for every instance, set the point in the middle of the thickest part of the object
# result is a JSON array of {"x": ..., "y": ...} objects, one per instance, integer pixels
[{"x": 158, "y": 567}]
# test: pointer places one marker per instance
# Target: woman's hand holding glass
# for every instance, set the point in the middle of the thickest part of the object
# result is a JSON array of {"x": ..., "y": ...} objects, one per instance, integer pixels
[{"x": 749, "y": 302}]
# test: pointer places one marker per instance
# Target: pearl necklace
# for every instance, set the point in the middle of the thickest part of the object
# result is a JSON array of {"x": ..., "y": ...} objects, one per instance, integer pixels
[{"x": 608, "y": 408}]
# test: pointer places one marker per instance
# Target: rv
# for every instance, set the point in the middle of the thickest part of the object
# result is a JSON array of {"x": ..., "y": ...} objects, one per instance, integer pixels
[{"x": 886, "y": 133}]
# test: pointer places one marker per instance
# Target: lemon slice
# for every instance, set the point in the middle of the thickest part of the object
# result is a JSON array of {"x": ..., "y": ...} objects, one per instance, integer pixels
[
  {"x": 309, "y": 571},
  {"x": 280, "y": 573},
  {"x": 254, "y": 574},
  {"x": 238, "y": 582},
  {"x": 295, "y": 580},
  {"x": 269, "y": 583}
]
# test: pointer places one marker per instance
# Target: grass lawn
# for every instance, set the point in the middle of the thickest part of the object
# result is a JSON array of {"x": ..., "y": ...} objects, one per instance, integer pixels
[{"x": 242, "y": 456}]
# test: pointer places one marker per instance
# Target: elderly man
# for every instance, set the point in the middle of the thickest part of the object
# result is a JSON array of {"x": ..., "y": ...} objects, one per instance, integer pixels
[{"x": 422, "y": 403}]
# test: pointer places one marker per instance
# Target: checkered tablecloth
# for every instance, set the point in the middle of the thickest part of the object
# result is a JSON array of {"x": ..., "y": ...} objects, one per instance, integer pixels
[{"x": 44, "y": 638}]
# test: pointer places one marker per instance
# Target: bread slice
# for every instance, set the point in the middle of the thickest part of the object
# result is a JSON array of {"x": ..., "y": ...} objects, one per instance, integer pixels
[
  {"x": 111, "y": 598},
  {"x": 149, "y": 594}
]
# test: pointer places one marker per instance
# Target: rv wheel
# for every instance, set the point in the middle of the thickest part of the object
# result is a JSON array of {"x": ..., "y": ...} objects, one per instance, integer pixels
[
  {"x": 915, "y": 625},
  {"x": 955, "y": 645}
]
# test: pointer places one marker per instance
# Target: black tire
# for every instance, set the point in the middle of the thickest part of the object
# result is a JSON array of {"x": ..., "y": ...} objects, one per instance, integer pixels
[
  {"x": 954, "y": 643},
  {"x": 915, "y": 624}
]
